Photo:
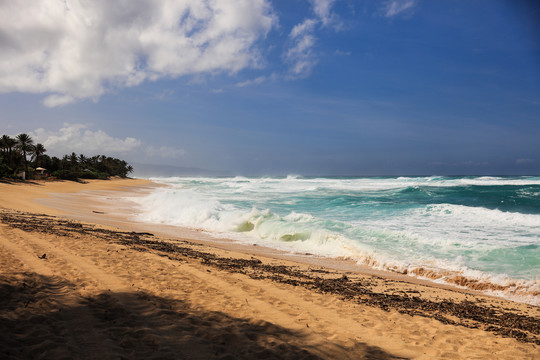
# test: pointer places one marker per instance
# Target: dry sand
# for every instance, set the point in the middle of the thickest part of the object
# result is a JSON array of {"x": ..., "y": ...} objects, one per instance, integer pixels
[{"x": 73, "y": 289}]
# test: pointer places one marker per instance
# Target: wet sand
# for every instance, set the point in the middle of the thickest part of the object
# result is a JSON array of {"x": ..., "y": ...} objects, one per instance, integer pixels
[{"x": 71, "y": 288}]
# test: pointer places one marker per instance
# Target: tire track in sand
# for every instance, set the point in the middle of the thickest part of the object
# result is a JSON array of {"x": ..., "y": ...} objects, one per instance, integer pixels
[
  {"x": 38, "y": 245},
  {"x": 76, "y": 326},
  {"x": 269, "y": 301}
]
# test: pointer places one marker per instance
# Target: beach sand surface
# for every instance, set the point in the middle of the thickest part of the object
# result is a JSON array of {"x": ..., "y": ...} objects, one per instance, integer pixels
[{"x": 79, "y": 279}]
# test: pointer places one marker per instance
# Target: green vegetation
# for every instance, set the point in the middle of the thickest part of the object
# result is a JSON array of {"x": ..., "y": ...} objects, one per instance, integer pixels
[{"x": 14, "y": 153}]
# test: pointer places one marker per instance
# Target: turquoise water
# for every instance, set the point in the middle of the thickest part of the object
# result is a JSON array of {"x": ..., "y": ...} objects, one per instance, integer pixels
[{"x": 483, "y": 228}]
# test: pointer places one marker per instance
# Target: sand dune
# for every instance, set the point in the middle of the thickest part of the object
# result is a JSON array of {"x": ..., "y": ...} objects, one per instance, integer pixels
[{"x": 71, "y": 289}]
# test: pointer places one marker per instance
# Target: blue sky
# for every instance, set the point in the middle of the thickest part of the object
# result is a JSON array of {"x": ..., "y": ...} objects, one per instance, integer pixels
[{"x": 259, "y": 87}]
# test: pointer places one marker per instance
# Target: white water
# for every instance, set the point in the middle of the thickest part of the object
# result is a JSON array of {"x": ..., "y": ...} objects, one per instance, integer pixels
[{"x": 398, "y": 224}]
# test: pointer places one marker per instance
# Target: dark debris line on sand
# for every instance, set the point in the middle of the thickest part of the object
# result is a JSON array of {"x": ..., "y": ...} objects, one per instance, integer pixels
[{"x": 466, "y": 313}]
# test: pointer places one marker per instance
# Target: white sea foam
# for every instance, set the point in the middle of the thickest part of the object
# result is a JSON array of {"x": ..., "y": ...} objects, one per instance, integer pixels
[
  {"x": 451, "y": 225},
  {"x": 295, "y": 182},
  {"x": 351, "y": 218}
]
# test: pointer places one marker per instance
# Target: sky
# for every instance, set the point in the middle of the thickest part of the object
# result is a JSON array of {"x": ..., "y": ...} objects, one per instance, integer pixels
[{"x": 277, "y": 87}]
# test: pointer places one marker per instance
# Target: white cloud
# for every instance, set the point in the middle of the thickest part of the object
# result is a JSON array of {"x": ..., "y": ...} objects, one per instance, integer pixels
[
  {"x": 165, "y": 152},
  {"x": 79, "y": 139},
  {"x": 300, "y": 55},
  {"x": 304, "y": 28},
  {"x": 322, "y": 8},
  {"x": 393, "y": 8},
  {"x": 255, "y": 81},
  {"x": 57, "y": 100},
  {"x": 76, "y": 49}
]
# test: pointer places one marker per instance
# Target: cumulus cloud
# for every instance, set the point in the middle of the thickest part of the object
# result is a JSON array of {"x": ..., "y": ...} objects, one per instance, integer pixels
[
  {"x": 79, "y": 138},
  {"x": 76, "y": 49},
  {"x": 300, "y": 54},
  {"x": 396, "y": 7}
]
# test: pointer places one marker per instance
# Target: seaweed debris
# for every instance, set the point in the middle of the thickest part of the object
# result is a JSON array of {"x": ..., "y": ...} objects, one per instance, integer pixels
[{"x": 498, "y": 320}]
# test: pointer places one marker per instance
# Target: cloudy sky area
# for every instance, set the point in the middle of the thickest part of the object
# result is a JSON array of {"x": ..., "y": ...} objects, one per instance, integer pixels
[{"x": 262, "y": 87}]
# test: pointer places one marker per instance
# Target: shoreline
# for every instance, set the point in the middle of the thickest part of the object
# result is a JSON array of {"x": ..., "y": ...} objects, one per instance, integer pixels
[
  {"x": 110, "y": 208},
  {"x": 104, "y": 204},
  {"x": 364, "y": 294}
]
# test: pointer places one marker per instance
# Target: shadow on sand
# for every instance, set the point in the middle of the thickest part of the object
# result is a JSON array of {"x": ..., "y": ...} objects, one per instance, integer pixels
[
  {"x": 18, "y": 182},
  {"x": 47, "y": 318}
]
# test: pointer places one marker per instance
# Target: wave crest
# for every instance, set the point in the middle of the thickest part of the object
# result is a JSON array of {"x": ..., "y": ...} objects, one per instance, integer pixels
[{"x": 442, "y": 242}]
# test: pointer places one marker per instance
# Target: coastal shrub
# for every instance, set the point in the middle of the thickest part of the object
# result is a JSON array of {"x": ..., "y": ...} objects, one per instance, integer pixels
[
  {"x": 5, "y": 171},
  {"x": 66, "y": 175},
  {"x": 94, "y": 175}
]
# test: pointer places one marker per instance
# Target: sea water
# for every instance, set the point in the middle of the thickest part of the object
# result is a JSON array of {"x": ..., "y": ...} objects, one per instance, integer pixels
[{"x": 477, "y": 232}]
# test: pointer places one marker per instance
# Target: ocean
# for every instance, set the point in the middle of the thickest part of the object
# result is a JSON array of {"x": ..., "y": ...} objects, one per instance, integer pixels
[{"x": 477, "y": 232}]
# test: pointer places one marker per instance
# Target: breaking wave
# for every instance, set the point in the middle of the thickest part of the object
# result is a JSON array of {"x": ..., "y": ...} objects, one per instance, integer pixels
[{"x": 480, "y": 233}]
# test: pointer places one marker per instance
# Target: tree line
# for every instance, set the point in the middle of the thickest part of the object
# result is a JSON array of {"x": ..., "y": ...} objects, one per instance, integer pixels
[{"x": 21, "y": 154}]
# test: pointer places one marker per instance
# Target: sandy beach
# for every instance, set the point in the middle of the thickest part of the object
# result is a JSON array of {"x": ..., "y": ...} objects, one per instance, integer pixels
[{"x": 80, "y": 280}]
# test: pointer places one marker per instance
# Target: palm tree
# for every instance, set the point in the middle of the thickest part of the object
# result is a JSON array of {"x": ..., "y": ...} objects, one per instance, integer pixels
[
  {"x": 3, "y": 160},
  {"x": 25, "y": 144},
  {"x": 37, "y": 152},
  {"x": 73, "y": 160},
  {"x": 8, "y": 143},
  {"x": 3, "y": 147},
  {"x": 83, "y": 160}
]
